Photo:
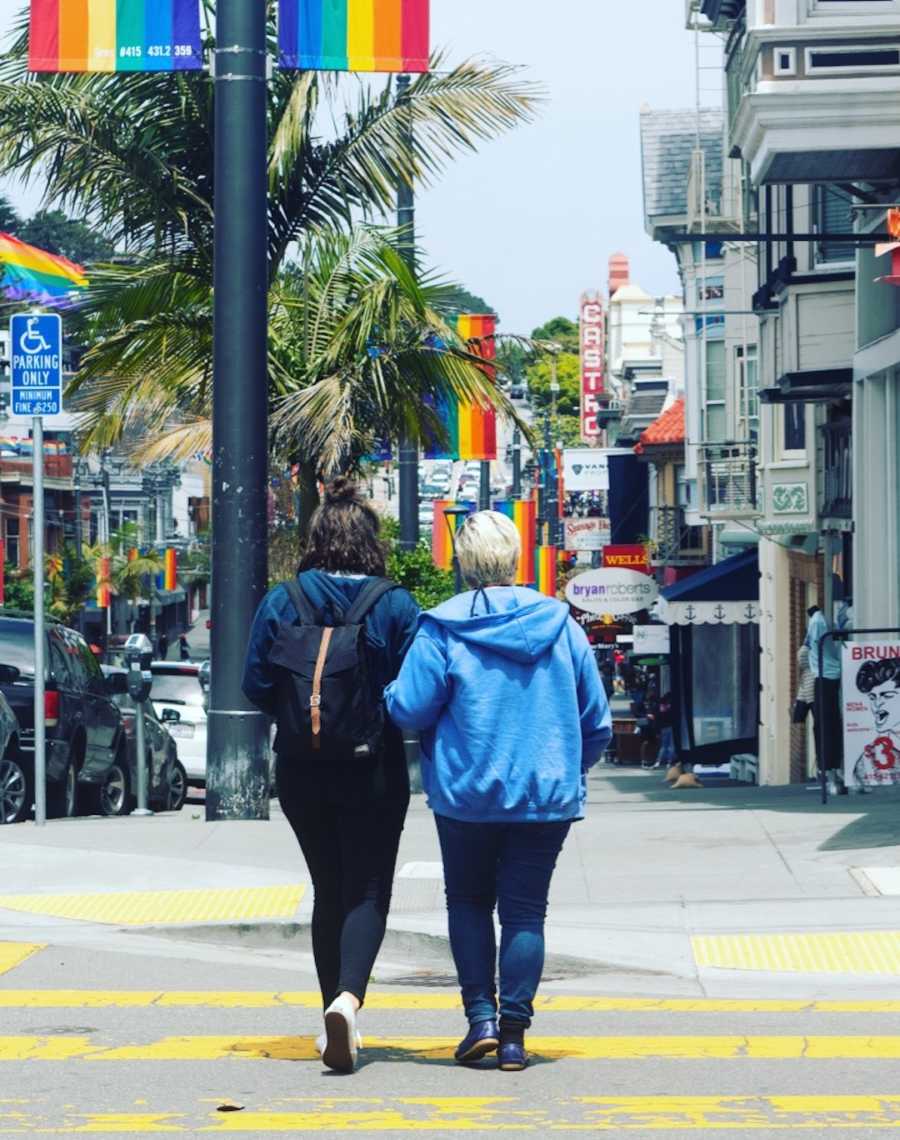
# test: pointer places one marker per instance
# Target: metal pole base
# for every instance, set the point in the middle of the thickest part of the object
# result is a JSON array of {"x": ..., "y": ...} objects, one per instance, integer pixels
[
  {"x": 142, "y": 811},
  {"x": 237, "y": 785}
]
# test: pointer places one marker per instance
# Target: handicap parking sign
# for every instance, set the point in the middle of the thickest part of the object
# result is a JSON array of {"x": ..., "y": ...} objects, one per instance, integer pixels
[{"x": 35, "y": 352}]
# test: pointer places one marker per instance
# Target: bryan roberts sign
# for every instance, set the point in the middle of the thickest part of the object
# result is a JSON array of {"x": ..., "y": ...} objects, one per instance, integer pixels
[{"x": 612, "y": 592}]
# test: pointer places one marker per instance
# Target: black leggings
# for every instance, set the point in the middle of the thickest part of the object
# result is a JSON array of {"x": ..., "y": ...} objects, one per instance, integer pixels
[{"x": 350, "y": 844}]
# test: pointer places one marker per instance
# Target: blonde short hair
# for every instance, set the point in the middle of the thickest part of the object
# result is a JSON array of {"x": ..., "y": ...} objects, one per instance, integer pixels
[{"x": 488, "y": 548}]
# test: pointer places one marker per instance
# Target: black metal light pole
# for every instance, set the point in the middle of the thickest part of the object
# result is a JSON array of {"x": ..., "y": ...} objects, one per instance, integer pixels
[
  {"x": 408, "y": 449},
  {"x": 237, "y": 753},
  {"x": 451, "y": 514},
  {"x": 517, "y": 464}
]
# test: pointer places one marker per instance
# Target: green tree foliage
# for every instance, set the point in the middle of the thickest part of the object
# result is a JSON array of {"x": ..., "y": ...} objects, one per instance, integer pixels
[
  {"x": 540, "y": 375},
  {"x": 460, "y": 300},
  {"x": 9, "y": 217},
  {"x": 53, "y": 231},
  {"x": 559, "y": 330},
  {"x": 415, "y": 571}
]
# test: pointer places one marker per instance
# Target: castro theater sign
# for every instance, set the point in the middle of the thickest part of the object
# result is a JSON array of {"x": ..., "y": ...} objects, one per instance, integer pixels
[
  {"x": 612, "y": 592},
  {"x": 592, "y": 332}
]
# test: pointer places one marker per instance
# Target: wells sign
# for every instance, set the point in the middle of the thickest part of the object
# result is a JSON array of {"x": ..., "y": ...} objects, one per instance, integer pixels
[{"x": 627, "y": 557}]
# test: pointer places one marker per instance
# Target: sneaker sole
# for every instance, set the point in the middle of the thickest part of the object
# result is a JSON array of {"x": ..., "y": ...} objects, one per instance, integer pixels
[
  {"x": 480, "y": 1051},
  {"x": 513, "y": 1066},
  {"x": 338, "y": 1053}
]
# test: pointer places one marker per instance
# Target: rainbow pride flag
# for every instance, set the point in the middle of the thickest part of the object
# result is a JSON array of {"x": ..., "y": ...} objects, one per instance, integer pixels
[
  {"x": 441, "y": 545},
  {"x": 546, "y": 558},
  {"x": 115, "y": 35},
  {"x": 471, "y": 429},
  {"x": 32, "y": 274},
  {"x": 523, "y": 513},
  {"x": 171, "y": 574},
  {"x": 354, "y": 35}
]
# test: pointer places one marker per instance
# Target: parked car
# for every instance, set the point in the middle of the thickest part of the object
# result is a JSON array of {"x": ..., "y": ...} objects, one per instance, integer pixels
[
  {"x": 180, "y": 703},
  {"x": 167, "y": 788},
  {"x": 86, "y": 745},
  {"x": 16, "y": 788}
]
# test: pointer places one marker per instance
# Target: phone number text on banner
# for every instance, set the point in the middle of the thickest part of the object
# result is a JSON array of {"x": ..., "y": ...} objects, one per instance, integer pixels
[{"x": 115, "y": 35}]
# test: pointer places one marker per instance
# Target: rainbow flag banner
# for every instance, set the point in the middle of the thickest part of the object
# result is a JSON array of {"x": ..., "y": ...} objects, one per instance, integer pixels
[
  {"x": 115, "y": 35},
  {"x": 441, "y": 546},
  {"x": 354, "y": 35},
  {"x": 104, "y": 590},
  {"x": 171, "y": 574},
  {"x": 523, "y": 513},
  {"x": 31, "y": 274},
  {"x": 546, "y": 558},
  {"x": 471, "y": 429}
]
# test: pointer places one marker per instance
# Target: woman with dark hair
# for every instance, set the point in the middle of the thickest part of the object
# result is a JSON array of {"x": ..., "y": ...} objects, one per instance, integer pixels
[{"x": 347, "y": 805}]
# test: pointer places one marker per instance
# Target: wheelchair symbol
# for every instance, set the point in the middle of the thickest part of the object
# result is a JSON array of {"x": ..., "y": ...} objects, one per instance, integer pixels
[{"x": 32, "y": 342}]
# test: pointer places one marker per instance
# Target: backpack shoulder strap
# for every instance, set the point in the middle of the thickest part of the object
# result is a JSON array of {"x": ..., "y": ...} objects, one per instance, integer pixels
[
  {"x": 302, "y": 605},
  {"x": 369, "y": 597}
]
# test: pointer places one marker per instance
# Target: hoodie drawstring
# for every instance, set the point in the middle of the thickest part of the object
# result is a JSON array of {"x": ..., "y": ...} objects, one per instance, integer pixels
[{"x": 487, "y": 605}]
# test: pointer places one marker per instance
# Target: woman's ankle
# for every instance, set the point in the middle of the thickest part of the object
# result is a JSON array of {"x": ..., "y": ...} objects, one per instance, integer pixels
[{"x": 354, "y": 1001}]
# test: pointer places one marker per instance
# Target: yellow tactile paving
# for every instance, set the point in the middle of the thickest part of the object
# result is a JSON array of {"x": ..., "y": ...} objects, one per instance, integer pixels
[
  {"x": 450, "y": 1114},
  {"x": 12, "y": 954},
  {"x": 422, "y": 1002},
  {"x": 150, "y": 908},
  {"x": 573, "y": 1048},
  {"x": 849, "y": 952}
]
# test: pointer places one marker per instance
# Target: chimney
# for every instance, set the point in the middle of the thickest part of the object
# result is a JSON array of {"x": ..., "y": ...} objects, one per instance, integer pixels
[{"x": 619, "y": 273}]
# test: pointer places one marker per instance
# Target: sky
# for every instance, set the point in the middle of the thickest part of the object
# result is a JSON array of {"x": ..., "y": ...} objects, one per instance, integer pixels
[{"x": 529, "y": 222}]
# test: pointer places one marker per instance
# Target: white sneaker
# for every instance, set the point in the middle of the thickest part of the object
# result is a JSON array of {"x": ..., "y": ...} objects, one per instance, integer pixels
[
  {"x": 341, "y": 1038},
  {"x": 322, "y": 1041}
]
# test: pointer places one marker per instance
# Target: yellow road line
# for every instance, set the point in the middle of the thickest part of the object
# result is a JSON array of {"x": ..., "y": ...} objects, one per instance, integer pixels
[
  {"x": 459, "y": 1114},
  {"x": 421, "y": 1002},
  {"x": 282, "y": 1048},
  {"x": 848, "y": 952},
  {"x": 149, "y": 908},
  {"x": 13, "y": 954}
]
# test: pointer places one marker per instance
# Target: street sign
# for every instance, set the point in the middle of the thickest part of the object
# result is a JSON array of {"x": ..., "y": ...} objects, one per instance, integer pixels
[
  {"x": 612, "y": 591},
  {"x": 653, "y": 639},
  {"x": 35, "y": 348}
]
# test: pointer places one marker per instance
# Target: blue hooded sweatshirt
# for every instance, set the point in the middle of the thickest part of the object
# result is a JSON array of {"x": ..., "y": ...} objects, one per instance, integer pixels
[{"x": 504, "y": 688}]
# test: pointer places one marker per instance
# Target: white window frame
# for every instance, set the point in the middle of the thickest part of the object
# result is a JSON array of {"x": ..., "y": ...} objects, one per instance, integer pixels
[
  {"x": 777, "y": 69},
  {"x": 819, "y": 8},
  {"x": 851, "y": 49}
]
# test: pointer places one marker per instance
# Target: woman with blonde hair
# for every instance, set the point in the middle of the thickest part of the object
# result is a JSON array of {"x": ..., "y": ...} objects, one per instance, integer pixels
[{"x": 504, "y": 688}]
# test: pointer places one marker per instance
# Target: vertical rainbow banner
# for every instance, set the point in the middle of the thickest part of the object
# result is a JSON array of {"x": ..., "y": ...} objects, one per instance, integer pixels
[
  {"x": 104, "y": 593},
  {"x": 115, "y": 35},
  {"x": 524, "y": 514},
  {"x": 471, "y": 429},
  {"x": 547, "y": 562},
  {"x": 441, "y": 545},
  {"x": 171, "y": 575},
  {"x": 2, "y": 572},
  {"x": 354, "y": 35}
]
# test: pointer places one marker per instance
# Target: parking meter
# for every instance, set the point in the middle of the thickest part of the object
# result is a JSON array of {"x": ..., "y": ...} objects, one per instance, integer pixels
[{"x": 138, "y": 655}]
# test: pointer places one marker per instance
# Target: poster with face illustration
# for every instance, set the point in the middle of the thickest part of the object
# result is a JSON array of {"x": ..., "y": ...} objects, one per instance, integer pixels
[{"x": 871, "y": 700}]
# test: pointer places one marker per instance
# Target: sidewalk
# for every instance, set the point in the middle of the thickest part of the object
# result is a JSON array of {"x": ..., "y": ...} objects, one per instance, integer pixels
[{"x": 646, "y": 887}]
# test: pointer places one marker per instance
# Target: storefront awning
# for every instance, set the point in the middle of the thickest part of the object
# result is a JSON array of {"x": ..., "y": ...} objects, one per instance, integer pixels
[
  {"x": 724, "y": 594},
  {"x": 818, "y": 386}
]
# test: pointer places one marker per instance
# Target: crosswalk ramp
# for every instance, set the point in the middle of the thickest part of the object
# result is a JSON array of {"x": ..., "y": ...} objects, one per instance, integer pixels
[{"x": 192, "y": 1061}]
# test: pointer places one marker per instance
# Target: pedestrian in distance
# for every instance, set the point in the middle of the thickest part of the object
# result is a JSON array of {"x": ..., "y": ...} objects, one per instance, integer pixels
[
  {"x": 504, "y": 687},
  {"x": 184, "y": 650},
  {"x": 322, "y": 649},
  {"x": 163, "y": 646}
]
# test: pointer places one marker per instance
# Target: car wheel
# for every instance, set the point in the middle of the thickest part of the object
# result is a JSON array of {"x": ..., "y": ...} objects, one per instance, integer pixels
[
  {"x": 177, "y": 787},
  {"x": 112, "y": 793},
  {"x": 62, "y": 795},
  {"x": 15, "y": 791}
]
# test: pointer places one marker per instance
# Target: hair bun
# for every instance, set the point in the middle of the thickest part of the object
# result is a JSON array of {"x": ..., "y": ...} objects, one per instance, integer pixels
[{"x": 341, "y": 490}]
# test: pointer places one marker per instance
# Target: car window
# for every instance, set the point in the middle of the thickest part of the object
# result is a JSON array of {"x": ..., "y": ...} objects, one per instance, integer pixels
[
  {"x": 177, "y": 689},
  {"x": 17, "y": 646},
  {"x": 92, "y": 671},
  {"x": 59, "y": 665},
  {"x": 76, "y": 668}
]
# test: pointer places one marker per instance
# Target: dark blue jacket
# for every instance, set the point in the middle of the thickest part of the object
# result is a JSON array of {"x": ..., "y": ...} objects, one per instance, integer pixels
[{"x": 390, "y": 628}]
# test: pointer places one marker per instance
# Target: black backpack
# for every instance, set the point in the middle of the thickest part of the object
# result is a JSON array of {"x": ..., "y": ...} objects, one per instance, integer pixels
[{"x": 327, "y": 698}]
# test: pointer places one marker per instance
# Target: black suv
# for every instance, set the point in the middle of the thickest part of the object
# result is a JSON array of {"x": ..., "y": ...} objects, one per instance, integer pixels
[{"x": 86, "y": 745}]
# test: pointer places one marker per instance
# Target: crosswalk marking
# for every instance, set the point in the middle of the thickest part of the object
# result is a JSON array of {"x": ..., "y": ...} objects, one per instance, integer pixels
[
  {"x": 148, "y": 908},
  {"x": 457, "y": 1114},
  {"x": 411, "y": 1002},
  {"x": 12, "y": 954},
  {"x": 573, "y": 1048},
  {"x": 848, "y": 952}
]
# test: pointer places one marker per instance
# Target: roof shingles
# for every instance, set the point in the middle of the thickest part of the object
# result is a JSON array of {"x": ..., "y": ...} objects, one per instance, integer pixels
[{"x": 666, "y": 431}]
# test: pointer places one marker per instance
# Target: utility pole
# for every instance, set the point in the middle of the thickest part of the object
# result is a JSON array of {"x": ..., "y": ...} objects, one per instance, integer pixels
[
  {"x": 408, "y": 449},
  {"x": 517, "y": 464},
  {"x": 237, "y": 784}
]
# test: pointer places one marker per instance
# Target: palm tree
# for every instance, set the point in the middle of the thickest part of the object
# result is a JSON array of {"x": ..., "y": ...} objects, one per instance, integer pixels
[{"x": 134, "y": 154}]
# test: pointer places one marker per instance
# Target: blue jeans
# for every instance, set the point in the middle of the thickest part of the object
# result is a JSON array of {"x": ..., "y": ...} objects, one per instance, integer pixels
[{"x": 508, "y": 865}]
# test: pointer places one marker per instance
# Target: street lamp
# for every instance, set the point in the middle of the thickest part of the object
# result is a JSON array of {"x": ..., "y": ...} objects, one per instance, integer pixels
[{"x": 451, "y": 514}]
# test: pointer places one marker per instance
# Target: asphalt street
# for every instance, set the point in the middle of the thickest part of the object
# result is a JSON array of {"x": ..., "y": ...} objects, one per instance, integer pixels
[{"x": 719, "y": 963}]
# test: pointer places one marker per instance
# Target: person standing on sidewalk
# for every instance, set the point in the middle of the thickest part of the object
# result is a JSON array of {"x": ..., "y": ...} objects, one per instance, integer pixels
[
  {"x": 827, "y": 724},
  {"x": 504, "y": 687},
  {"x": 346, "y": 802}
]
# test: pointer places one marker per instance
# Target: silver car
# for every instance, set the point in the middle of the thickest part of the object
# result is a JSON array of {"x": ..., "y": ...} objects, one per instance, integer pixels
[{"x": 180, "y": 703}]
